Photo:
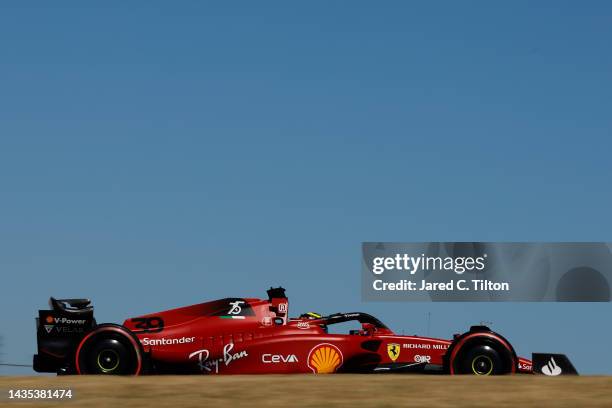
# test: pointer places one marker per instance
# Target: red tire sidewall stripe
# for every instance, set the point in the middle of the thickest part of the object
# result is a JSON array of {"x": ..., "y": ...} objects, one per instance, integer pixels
[
  {"x": 489, "y": 335},
  {"x": 115, "y": 329}
]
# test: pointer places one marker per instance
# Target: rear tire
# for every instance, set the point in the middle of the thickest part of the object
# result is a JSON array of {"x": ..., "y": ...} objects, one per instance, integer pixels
[
  {"x": 108, "y": 352},
  {"x": 482, "y": 359}
]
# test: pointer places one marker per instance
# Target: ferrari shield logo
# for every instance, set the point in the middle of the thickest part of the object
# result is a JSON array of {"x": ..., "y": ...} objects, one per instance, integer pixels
[{"x": 393, "y": 349}]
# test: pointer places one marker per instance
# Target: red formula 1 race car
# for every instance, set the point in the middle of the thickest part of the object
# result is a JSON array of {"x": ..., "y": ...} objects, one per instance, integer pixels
[{"x": 256, "y": 336}]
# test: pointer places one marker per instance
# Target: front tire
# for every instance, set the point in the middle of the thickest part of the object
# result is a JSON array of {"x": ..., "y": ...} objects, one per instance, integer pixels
[{"x": 482, "y": 359}]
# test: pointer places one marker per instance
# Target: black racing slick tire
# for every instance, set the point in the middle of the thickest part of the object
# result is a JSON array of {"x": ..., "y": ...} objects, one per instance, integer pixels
[
  {"x": 482, "y": 359},
  {"x": 109, "y": 350}
]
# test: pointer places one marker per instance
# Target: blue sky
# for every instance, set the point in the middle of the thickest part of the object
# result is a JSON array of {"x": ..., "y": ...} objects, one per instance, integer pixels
[{"x": 161, "y": 154}]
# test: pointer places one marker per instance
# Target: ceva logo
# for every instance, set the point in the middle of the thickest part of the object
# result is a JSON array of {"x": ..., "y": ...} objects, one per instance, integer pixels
[
  {"x": 278, "y": 358},
  {"x": 551, "y": 368}
]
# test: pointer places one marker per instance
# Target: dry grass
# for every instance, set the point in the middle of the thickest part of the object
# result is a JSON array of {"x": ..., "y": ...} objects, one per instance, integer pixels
[{"x": 319, "y": 391}]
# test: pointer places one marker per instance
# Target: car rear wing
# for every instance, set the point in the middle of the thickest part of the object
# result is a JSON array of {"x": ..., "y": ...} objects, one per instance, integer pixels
[
  {"x": 74, "y": 306},
  {"x": 59, "y": 330}
]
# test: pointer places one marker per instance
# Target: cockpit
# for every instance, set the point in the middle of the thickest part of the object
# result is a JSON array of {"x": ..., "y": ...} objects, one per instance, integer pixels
[{"x": 359, "y": 324}]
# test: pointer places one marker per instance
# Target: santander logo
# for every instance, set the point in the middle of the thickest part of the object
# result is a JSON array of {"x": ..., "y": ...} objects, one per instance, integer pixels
[{"x": 551, "y": 368}]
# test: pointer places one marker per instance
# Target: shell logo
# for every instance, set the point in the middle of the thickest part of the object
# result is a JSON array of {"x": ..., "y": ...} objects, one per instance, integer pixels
[
  {"x": 324, "y": 358},
  {"x": 49, "y": 319}
]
